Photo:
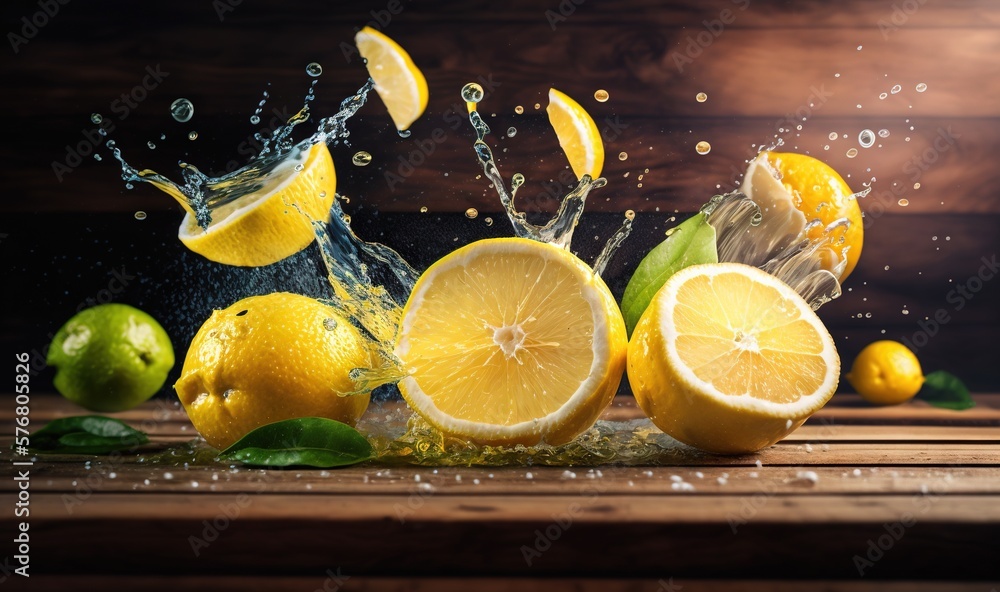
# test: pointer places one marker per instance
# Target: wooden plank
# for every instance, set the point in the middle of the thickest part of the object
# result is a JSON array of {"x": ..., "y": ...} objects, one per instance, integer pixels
[
  {"x": 484, "y": 535},
  {"x": 217, "y": 583}
]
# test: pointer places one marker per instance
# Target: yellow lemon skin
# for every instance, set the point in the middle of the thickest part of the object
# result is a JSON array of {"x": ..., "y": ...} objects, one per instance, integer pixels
[
  {"x": 886, "y": 373},
  {"x": 255, "y": 230},
  {"x": 270, "y": 358}
]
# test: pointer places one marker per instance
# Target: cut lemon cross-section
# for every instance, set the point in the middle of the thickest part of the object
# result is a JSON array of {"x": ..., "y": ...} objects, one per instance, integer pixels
[
  {"x": 398, "y": 81},
  {"x": 268, "y": 225},
  {"x": 511, "y": 341},
  {"x": 578, "y": 135},
  {"x": 730, "y": 359}
]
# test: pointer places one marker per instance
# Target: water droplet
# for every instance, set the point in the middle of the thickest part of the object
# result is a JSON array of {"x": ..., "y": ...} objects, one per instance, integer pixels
[
  {"x": 361, "y": 158},
  {"x": 472, "y": 93},
  {"x": 182, "y": 110},
  {"x": 192, "y": 136},
  {"x": 916, "y": 185},
  {"x": 832, "y": 136},
  {"x": 140, "y": 215},
  {"x": 299, "y": 167},
  {"x": 163, "y": 136},
  {"x": 903, "y": 202},
  {"x": 488, "y": 220},
  {"x": 511, "y": 132},
  {"x": 921, "y": 87},
  {"x": 703, "y": 147},
  {"x": 471, "y": 213},
  {"x": 837, "y": 75},
  {"x": 151, "y": 145},
  {"x": 883, "y": 133},
  {"x": 630, "y": 214},
  {"x": 895, "y": 89},
  {"x": 882, "y": 96},
  {"x": 98, "y": 158},
  {"x": 934, "y": 238},
  {"x": 423, "y": 209},
  {"x": 96, "y": 118},
  {"x": 623, "y": 156},
  {"x": 852, "y": 153},
  {"x": 601, "y": 95},
  {"x": 701, "y": 97},
  {"x": 519, "y": 109},
  {"x": 314, "y": 69},
  {"x": 404, "y": 133},
  {"x": 254, "y": 119},
  {"x": 330, "y": 324},
  {"x": 859, "y": 47},
  {"x": 866, "y": 138},
  {"x": 129, "y": 186}
]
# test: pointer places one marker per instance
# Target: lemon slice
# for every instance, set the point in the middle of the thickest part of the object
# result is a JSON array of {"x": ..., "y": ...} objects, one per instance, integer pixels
[
  {"x": 511, "y": 341},
  {"x": 730, "y": 359},
  {"x": 578, "y": 135},
  {"x": 398, "y": 81},
  {"x": 268, "y": 225}
]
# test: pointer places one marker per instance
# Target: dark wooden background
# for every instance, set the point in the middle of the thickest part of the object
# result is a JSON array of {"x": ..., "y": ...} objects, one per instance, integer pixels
[{"x": 63, "y": 240}]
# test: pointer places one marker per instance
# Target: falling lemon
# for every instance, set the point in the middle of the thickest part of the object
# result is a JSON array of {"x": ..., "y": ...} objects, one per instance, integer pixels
[
  {"x": 398, "y": 81},
  {"x": 578, "y": 134}
]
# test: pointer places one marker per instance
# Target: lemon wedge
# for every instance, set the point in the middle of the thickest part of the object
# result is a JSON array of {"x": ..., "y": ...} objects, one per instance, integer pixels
[
  {"x": 398, "y": 81},
  {"x": 578, "y": 134},
  {"x": 511, "y": 341}
]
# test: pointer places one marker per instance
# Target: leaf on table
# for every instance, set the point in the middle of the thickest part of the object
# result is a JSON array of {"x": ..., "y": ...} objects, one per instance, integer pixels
[
  {"x": 307, "y": 441},
  {"x": 691, "y": 243},
  {"x": 86, "y": 434},
  {"x": 945, "y": 390}
]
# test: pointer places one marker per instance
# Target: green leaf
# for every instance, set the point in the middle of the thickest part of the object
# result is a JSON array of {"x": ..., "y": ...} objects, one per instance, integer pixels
[
  {"x": 945, "y": 390},
  {"x": 691, "y": 243},
  {"x": 307, "y": 441},
  {"x": 86, "y": 434}
]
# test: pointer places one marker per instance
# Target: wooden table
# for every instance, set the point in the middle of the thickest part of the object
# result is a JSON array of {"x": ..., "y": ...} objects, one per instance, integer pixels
[{"x": 856, "y": 497}]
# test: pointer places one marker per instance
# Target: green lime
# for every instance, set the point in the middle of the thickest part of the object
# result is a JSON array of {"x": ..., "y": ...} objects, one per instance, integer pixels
[{"x": 111, "y": 357}]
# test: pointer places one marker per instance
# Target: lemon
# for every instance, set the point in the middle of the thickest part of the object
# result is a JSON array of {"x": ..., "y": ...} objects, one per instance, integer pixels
[
  {"x": 269, "y": 358},
  {"x": 511, "y": 341},
  {"x": 268, "y": 225},
  {"x": 578, "y": 135},
  {"x": 110, "y": 357},
  {"x": 795, "y": 189},
  {"x": 398, "y": 81},
  {"x": 886, "y": 373},
  {"x": 729, "y": 359}
]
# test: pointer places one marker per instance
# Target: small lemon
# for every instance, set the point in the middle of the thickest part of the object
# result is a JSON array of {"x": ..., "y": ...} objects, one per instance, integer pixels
[
  {"x": 267, "y": 359},
  {"x": 886, "y": 373}
]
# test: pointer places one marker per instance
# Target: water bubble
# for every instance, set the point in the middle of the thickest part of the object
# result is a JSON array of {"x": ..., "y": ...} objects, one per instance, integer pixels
[
  {"x": 934, "y": 238},
  {"x": 299, "y": 167},
  {"x": 852, "y": 153},
  {"x": 832, "y": 136},
  {"x": 488, "y": 220},
  {"x": 916, "y": 185},
  {"x": 423, "y": 209},
  {"x": 895, "y": 89},
  {"x": 182, "y": 110},
  {"x": 254, "y": 119},
  {"x": 701, "y": 97},
  {"x": 866, "y": 138},
  {"x": 601, "y": 95},
  {"x": 472, "y": 93},
  {"x": 192, "y": 136},
  {"x": 623, "y": 156},
  {"x": 129, "y": 186},
  {"x": 703, "y": 147},
  {"x": 903, "y": 202},
  {"x": 330, "y": 324},
  {"x": 883, "y": 133},
  {"x": 404, "y": 133},
  {"x": 511, "y": 132},
  {"x": 151, "y": 145},
  {"x": 471, "y": 213},
  {"x": 314, "y": 69},
  {"x": 630, "y": 214},
  {"x": 882, "y": 96},
  {"x": 140, "y": 215},
  {"x": 96, "y": 118},
  {"x": 921, "y": 87},
  {"x": 361, "y": 158}
]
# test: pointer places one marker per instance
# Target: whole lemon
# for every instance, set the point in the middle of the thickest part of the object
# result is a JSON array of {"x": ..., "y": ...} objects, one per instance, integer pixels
[
  {"x": 110, "y": 357},
  {"x": 886, "y": 373},
  {"x": 270, "y": 358}
]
